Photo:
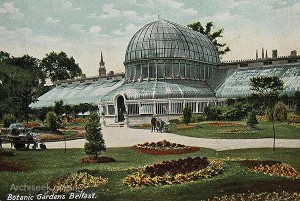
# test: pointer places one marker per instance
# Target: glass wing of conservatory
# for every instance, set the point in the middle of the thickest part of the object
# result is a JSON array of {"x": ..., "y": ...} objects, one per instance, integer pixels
[
  {"x": 76, "y": 93},
  {"x": 171, "y": 89},
  {"x": 237, "y": 84}
]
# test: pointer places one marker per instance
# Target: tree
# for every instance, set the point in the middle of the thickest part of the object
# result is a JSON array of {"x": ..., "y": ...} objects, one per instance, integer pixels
[
  {"x": 22, "y": 81},
  {"x": 94, "y": 136},
  {"x": 251, "y": 120},
  {"x": 269, "y": 88},
  {"x": 58, "y": 66},
  {"x": 52, "y": 121},
  {"x": 280, "y": 111},
  {"x": 187, "y": 115},
  {"x": 212, "y": 35},
  {"x": 297, "y": 101}
]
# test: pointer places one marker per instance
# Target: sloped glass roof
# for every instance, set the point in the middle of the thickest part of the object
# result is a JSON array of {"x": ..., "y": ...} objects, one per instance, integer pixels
[
  {"x": 161, "y": 90},
  {"x": 165, "y": 39},
  {"x": 237, "y": 83},
  {"x": 76, "y": 93}
]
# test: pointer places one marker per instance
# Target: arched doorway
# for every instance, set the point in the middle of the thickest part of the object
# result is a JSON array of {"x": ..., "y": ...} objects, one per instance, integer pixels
[{"x": 121, "y": 108}]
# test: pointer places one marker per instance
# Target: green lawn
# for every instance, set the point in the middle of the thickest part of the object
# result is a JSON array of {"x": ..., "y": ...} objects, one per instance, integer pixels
[
  {"x": 50, "y": 164},
  {"x": 203, "y": 130}
]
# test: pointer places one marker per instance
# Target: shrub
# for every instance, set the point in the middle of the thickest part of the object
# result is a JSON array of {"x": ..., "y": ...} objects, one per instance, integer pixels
[
  {"x": 251, "y": 120},
  {"x": 8, "y": 119},
  {"x": 52, "y": 121},
  {"x": 174, "y": 121},
  {"x": 213, "y": 112},
  {"x": 187, "y": 115},
  {"x": 197, "y": 118},
  {"x": 280, "y": 112}
]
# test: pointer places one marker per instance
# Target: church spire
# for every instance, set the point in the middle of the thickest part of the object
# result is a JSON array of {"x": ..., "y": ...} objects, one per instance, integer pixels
[
  {"x": 101, "y": 61},
  {"x": 102, "y": 69}
]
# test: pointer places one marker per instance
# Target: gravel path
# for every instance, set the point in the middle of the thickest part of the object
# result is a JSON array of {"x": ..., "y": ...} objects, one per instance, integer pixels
[{"x": 124, "y": 137}]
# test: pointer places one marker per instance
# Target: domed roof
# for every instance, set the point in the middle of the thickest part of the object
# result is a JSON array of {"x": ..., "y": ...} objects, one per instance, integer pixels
[{"x": 165, "y": 39}]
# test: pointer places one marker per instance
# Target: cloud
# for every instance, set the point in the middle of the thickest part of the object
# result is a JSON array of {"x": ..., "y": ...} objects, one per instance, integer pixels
[
  {"x": 11, "y": 11},
  {"x": 77, "y": 28},
  {"x": 111, "y": 11},
  {"x": 128, "y": 31},
  {"x": 95, "y": 30},
  {"x": 170, "y": 5},
  {"x": 51, "y": 21},
  {"x": 65, "y": 6}
]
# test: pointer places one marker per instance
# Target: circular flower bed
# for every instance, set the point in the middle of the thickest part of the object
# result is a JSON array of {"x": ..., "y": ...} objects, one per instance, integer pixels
[
  {"x": 175, "y": 172},
  {"x": 272, "y": 168},
  {"x": 101, "y": 159},
  {"x": 260, "y": 196},
  {"x": 76, "y": 181},
  {"x": 164, "y": 147}
]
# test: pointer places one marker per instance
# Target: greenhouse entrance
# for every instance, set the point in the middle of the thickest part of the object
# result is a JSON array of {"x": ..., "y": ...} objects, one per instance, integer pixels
[{"x": 121, "y": 108}]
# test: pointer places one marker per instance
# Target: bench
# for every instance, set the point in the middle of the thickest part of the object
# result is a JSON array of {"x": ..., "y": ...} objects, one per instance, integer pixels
[{"x": 20, "y": 142}]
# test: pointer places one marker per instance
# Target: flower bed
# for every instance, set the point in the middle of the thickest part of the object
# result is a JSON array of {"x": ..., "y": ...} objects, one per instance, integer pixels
[
  {"x": 224, "y": 124},
  {"x": 261, "y": 118},
  {"x": 186, "y": 126},
  {"x": 80, "y": 134},
  {"x": 45, "y": 137},
  {"x": 295, "y": 124},
  {"x": 101, "y": 159},
  {"x": 294, "y": 118},
  {"x": 175, "y": 172},
  {"x": 272, "y": 168},
  {"x": 164, "y": 147},
  {"x": 260, "y": 196},
  {"x": 9, "y": 165},
  {"x": 76, "y": 182},
  {"x": 236, "y": 131},
  {"x": 32, "y": 124},
  {"x": 77, "y": 120}
]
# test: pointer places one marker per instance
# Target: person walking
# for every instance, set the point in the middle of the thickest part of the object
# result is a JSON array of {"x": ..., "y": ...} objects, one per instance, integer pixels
[{"x": 153, "y": 123}]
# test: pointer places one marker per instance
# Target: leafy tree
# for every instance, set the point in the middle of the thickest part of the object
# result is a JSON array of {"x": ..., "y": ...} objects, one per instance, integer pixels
[
  {"x": 59, "y": 107},
  {"x": 297, "y": 101},
  {"x": 94, "y": 136},
  {"x": 269, "y": 88},
  {"x": 212, "y": 35},
  {"x": 8, "y": 119},
  {"x": 58, "y": 66},
  {"x": 21, "y": 83}
]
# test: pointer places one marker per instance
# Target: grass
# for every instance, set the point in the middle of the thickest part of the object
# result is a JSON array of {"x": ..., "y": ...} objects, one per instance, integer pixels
[
  {"x": 49, "y": 164},
  {"x": 203, "y": 130}
]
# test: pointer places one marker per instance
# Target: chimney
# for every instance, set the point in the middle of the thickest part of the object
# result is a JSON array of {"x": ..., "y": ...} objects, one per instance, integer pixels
[
  {"x": 293, "y": 53},
  {"x": 266, "y": 54},
  {"x": 256, "y": 55},
  {"x": 274, "y": 54},
  {"x": 262, "y": 53}
]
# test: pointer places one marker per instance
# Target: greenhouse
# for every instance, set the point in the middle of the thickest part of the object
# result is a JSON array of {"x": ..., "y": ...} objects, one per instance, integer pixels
[{"x": 169, "y": 67}]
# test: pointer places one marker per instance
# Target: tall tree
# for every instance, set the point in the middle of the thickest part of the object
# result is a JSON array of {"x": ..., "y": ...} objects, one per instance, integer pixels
[
  {"x": 268, "y": 88},
  {"x": 212, "y": 35},
  {"x": 22, "y": 80},
  {"x": 58, "y": 66},
  {"x": 95, "y": 142}
]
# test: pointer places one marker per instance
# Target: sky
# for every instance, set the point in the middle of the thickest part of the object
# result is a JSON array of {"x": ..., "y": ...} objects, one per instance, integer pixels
[{"x": 85, "y": 28}]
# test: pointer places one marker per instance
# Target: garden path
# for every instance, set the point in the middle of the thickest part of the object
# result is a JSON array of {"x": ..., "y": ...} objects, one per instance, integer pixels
[{"x": 124, "y": 137}]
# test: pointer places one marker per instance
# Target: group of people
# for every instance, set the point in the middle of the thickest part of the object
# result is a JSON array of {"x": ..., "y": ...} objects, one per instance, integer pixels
[{"x": 157, "y": 124}]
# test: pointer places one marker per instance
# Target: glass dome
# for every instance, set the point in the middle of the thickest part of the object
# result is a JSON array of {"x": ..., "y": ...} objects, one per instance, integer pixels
[{"x": 166, "y": 50}]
